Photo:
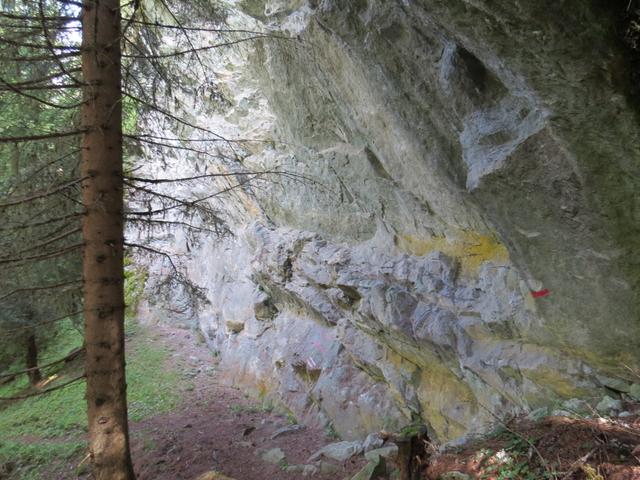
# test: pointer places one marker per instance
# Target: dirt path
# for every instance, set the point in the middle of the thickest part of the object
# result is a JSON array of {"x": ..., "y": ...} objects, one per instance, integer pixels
[{"x": 217, "y": 428}]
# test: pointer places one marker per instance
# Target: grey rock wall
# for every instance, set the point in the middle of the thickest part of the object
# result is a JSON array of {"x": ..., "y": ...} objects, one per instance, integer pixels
[{"x": 451, "y": 159}]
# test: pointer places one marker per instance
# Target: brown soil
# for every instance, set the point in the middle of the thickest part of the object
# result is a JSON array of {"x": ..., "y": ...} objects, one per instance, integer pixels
[
  {"x": 217, "y": 428},
  {"x": 557, "y": 447}
]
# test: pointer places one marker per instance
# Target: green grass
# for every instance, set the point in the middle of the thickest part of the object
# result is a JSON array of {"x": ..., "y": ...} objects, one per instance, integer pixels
[
  {"x": 56, "y": 413},
  {"x": 29, "y": 462},
  {"x": 265, "y": 407},
  {"x": 38, "y": 433},
  {"x": 330, "y": 432},
  {"x": 152, "y": 389},
  {"x": 515, "y": 460}
]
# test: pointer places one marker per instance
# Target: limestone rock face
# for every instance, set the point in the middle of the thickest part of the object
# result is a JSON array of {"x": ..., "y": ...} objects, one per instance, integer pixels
[{"x": 460, "y": 229}]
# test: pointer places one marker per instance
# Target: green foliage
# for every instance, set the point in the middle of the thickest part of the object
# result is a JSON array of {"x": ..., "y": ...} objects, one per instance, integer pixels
[
  {"x": 64, "y": 337},
  {"x": 152, "y": 389},
  {"x": 290, "y": 416},
  {"x": 330, "y": 432},
  {"x": 30, "y": 461},
  {"x": 239, "y": 408},
  {"x": 29, "y": 228},
  {"x": 32, "y": 439},
  {"x": 135, "y": 279},
  {"x": 33, "y": 416},
  {"x": 28, "y": 427},
  {"x": 264, "y": 407},
  {"x": 130, "y": 116},
  {"x": 512, "y": 462},
  {"x": 412, "y": 430}
]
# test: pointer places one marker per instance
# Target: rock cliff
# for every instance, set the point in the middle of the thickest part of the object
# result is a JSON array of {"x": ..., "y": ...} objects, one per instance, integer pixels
[{"x": 457, "y": 234}]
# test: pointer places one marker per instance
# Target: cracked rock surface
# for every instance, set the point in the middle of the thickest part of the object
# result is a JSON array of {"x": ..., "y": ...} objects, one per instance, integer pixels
[{"x": 461, "y": 236}]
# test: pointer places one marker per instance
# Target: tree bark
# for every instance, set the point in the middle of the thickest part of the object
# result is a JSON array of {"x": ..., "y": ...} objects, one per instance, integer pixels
[
  {"x": 413, "y": 456},
  {"x": 102, "y": 227},
  {"x": 32, "y": 360}
]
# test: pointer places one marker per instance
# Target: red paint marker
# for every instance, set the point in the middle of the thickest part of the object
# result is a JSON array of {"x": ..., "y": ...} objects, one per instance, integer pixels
[{"x": 540, "y": 293}]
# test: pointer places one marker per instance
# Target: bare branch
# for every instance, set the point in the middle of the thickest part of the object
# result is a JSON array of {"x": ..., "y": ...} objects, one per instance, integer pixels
[
  {"x": 153, "y": 250},
  {"x": 48, "y": 242},
  {"x": 40, "y": 288},
  {"x": 144, "y": 136},
  {"x": 168, "y": 222},
  {"x": 197, "y": 177},
  {"x": 37, "y": 46},
  {"x": 44, "y": 392},
  {"x": 39, "y": 324},
  {"x": 44, "y": 136},
  {"x": 196, "y": 29},
  {"x": 42, "y": 194},
  {"x": 71, "y": 356},
  {"x": 59, "y": 18},
  {"x": 45, "y": 78},
  {"x": 11, "y": 87},
  {"x": 45, "y": 34},
  {"x": 214, "y": 175},
  {"x": 175, "y": 19},
  {"x": 41, "y": 58},
  {"x": 19, "y": 91},
  {"x": 22, "y": 26},
  {"x": 175, "y": 147},
  {"x": 49, "y": 221},
  {"x": 194, "y": 202},
  {"x": 196, "y": 50},
  {"x": 174, "y": 117},
  {"x": 41, "y": 256}
]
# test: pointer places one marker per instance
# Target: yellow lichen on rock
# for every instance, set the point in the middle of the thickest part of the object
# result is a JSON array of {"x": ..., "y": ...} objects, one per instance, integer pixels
[
  {"x": 555, "y": 382},
  {"x": 400, "y": 362},
  {"x": 472, "y": 249},
  {"x": 446, "y": 402}
]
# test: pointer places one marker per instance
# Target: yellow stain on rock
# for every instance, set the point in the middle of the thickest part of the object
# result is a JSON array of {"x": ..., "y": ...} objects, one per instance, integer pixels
[
  {"x": 446, "y": 402},
  {"x": 250, "y": 206},
  {"x": 399, "y": 362},
  {"x": 471, "y": 249},
  {"x": 550, "y": 379}
]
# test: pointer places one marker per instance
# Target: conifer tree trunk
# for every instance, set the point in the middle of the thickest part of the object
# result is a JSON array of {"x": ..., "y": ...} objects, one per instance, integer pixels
[
  {"x": 32, "y": 359},
  {"x": 102, "y": 228}
]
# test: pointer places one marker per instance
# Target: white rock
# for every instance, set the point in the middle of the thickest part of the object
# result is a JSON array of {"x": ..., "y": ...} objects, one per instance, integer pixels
[
  {"x": 339, "y": 451},
  {"x": 608, "y": 405}
]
